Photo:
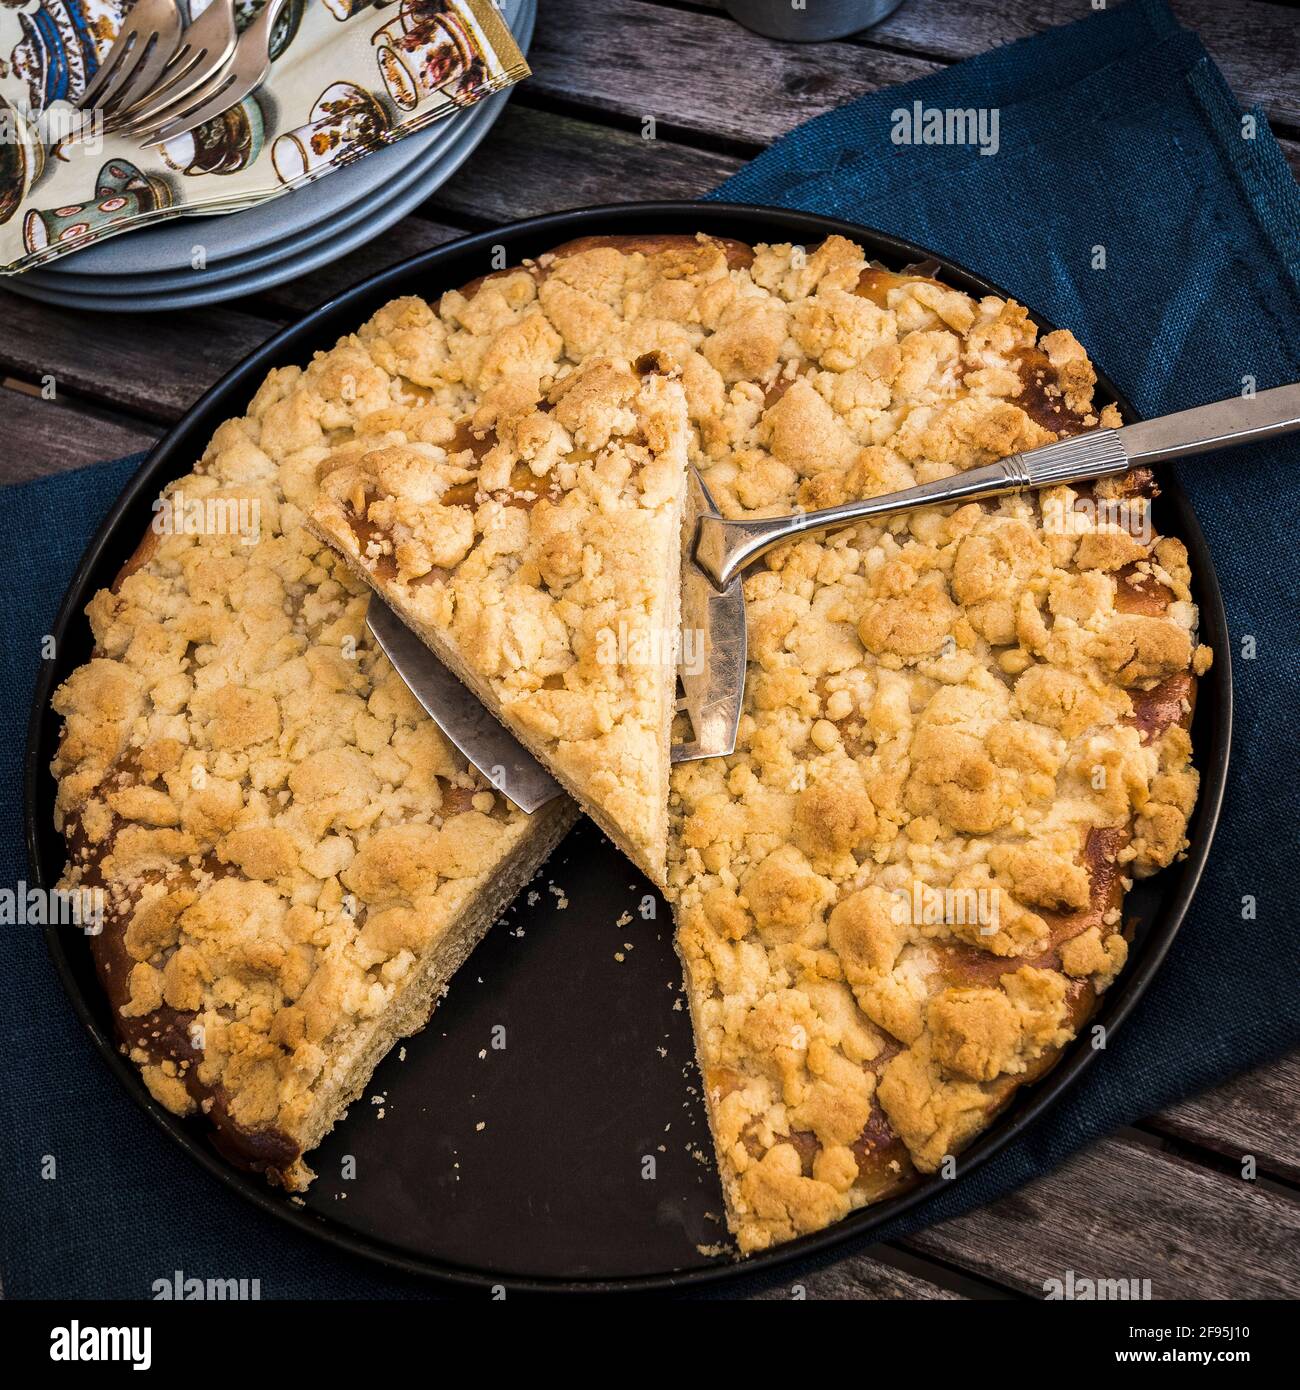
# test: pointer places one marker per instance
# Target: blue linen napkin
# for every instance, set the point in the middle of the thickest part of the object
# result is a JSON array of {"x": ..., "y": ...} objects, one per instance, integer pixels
[{"x": 1117, "y": 132}]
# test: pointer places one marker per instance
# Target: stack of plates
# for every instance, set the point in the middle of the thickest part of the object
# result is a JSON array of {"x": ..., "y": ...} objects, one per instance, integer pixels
[{"x": 278, "y": 240}]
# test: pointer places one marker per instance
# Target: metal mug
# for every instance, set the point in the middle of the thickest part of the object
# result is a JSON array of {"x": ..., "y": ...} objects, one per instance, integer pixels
[{"x": 809, "y": 21}]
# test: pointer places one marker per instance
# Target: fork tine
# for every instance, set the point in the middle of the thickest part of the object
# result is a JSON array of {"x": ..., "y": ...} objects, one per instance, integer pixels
[
  {"x": 212, "y": 101},
  {"x": 171, "y": 87},
  {"x": 152, "y": 114},
  {"x": 230, "y": 93},
  {"x": 105, "y": 76},
  {"x": 207, "y": 45},
  {"x": 150, "y": 34},
  {"x": 154, "y": 58},
  {"x": 128, "y": 75},
  {"x": 245, "y": 71}
]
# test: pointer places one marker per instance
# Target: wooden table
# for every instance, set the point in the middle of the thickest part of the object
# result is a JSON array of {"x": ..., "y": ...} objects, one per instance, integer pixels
[{"x": 1164, "y": 1200}]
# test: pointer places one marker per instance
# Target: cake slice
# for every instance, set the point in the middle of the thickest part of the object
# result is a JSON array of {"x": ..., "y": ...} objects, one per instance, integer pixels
[
  {"x": 533, "y": 541},
  {"x": 287, "y": 858}
]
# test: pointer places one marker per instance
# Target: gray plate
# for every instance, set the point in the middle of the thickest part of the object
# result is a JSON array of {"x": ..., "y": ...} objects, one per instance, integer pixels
[
  {"x": 202, "y": 291},
  {"x": 305, "y": 210},
  {"x": 197, "y": 288}
]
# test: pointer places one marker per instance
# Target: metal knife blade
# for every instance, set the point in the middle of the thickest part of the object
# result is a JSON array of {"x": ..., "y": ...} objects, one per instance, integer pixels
[
  {"x": 457, "y": 711},
  {"x": 711, "y": 658}
]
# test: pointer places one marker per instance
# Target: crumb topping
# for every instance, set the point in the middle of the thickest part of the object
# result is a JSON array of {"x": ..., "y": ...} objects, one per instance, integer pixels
[
  {"x": 520, "y": 511},
  {"x": 964, "y": 732},
  {"x": 516, "y": 495},
  {"x": 281, "y": 834}
]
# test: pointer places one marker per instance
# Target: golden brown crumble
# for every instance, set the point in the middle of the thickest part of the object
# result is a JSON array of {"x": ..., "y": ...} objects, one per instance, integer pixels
[
  {"x": 965, "y": 729},
  {"x": 286, "y": 843},
  {"x": 525, "y": 521},
  {"x": 964, "y": 733}
]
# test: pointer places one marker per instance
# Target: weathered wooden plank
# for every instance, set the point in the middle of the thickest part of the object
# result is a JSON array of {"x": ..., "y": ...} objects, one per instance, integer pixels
[
  {"x": 860, "y": 1277},
  {"x": 405, "y": 238},
  {"x": 532, "y": 162},
  {"x": 697, "y": 72},
  {"x": 1256, "y": 45},
  {"x": 155, "y": 365},
  {"x": 747, "y": 90},
  {"x": 39, "y": 437},
  {"x": 1291, "y": 149},
  {"x": 1123, "y": 1210},
  {"x": 1254, "y": 1115},
  {"x": 536, "y": 161}
]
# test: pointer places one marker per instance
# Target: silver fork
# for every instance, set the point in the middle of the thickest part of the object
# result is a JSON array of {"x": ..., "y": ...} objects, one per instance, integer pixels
[
  {"x": 245, "y": 71},
  {"x": 205, "y": 47},
  {"x": 150, "y": 34}
]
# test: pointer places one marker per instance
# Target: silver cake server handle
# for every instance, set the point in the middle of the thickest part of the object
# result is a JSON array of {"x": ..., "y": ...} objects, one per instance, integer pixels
[{"x": 725, "y": 546}]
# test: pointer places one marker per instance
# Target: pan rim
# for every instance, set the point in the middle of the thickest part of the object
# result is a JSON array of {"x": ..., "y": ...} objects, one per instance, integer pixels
[{"x": 342, "y": 314}]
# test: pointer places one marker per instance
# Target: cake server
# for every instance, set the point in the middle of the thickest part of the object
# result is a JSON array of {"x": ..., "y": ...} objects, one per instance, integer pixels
[
  {"x": 723, "y": 547},
  {"x": 711, "y": 647},
  {"x": 456, "y": 710}
]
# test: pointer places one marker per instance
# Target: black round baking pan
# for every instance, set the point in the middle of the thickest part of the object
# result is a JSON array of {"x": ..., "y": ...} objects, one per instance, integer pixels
[{"x": 546, "y": 1131}]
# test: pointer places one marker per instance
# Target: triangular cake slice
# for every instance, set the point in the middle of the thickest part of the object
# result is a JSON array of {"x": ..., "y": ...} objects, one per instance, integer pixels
[
  {"x": 288, "y": 860},
  {"x": 533, "y": 541}
]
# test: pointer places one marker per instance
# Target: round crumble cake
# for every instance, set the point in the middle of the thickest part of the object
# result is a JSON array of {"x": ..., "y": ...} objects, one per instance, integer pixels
[{"x": 965, "y": 728}]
